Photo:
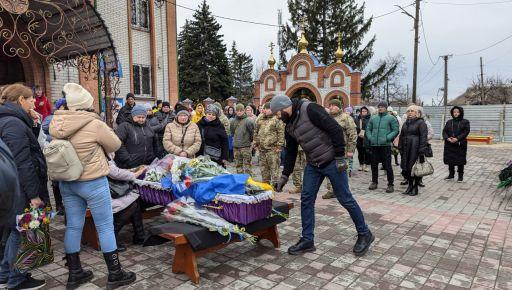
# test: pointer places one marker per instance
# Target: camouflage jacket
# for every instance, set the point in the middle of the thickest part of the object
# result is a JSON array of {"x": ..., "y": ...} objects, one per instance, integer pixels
[
  {"x": 269, "y": 133},
  {"x": 225, "y": 121},
  {"x": 349, "y": 130}
]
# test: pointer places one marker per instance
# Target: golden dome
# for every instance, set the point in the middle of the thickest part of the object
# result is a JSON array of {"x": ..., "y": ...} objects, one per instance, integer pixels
[
  {"x": 339, "y": 53},
  {"x": 271, "y": 59},
  {"x": 303, "y": 43}
]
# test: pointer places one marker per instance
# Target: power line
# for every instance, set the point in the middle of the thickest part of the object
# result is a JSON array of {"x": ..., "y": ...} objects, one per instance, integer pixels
[
  {"x": 469, "y": 4},
  {"x": 486, "y": 48},
  {"x": 391, "y": 12},
  {"x": 429, "y": 71},
  {"x": 425, "y": 39},
  {"x": 224, "y": 17},
  {"x": 433, "y": 76}
]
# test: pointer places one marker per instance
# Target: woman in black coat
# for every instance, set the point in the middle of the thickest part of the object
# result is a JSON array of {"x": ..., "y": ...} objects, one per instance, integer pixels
[
  {"x": 362, "y": 150},
  {"x": 214, "y": 137},
  {"x": 138, "y": 139},
  {"x": 455, "y": 133},
  {"x": 412, "y": 145},
  {"x": 17, "y": 130}
]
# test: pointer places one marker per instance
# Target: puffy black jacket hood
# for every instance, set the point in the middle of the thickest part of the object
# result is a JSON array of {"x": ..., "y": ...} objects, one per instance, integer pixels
[{"x": 461, "y": 110}]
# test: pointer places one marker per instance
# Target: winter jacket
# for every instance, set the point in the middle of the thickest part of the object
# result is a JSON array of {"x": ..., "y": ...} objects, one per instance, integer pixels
[
  {"x": 43, "y": 106},
  {"x": 268, "y": 133},
  {"x": 455, "y": 153},
  {"x": 179, "y": 138},
  {"x": 138, "y": 144},
  {"x": 125, "y": 114},
  {"x": 242, "y": 130},
  {"x": 349, "y": 130},
  {"x": 214, "y": 135},
  {"x": 382, "y": 129},
  {"x": 17, "y": 132},
  {"x": 319, "y": 135},
  {"x": 91, "y": 138},
  {"x": 412, "y": 142},
  {"x": 11, "y": 202},
  {"x": 161, "y": 118},
  {"x": 116, "y": 173}
]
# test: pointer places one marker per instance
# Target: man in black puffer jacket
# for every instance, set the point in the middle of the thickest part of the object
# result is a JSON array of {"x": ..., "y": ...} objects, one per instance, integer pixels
[
  {"x": 321, "y": 138},
  {"x": 138, "y": 139}
]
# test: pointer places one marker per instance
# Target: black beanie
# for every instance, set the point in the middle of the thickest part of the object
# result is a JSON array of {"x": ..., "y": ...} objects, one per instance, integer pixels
[
  {"x": 166, "y": 104},
  {"x": 130, "y": 95}
]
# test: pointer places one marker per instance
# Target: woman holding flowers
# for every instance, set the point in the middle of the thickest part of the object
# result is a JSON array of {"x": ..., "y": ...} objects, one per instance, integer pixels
[
  {"x": 91, "y": 139},
  {"x": 18, "y": 132}
]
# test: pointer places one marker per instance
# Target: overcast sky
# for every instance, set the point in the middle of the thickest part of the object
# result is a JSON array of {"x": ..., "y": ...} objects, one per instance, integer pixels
[{"x": 449, "y": 29}]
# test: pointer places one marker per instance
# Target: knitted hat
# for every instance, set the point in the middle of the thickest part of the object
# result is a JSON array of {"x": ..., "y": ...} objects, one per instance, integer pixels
[
  {"x": 139, "y": 110},
  {"x": 279, "y": 102},
  {"x": 166, "y": 104},
  {"x": 390, "y": 109},
  {"x": 337, "y": 103},
  {"x": 130, "y": 95},
  {"x": 240, "y": 107},
  {"x": 180, "y": 109},
  {"x": 218, "y": 105},
  {"x": 382, "y": 104},
  {"x": 212, "y": 109},
  {"x": 77, "y": 97}
]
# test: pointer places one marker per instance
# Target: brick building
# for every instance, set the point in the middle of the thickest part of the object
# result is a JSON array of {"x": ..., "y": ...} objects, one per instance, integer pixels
[{"x": 141, "y": 32}]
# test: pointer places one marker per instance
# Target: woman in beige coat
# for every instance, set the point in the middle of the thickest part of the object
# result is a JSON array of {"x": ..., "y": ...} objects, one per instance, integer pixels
[
  {"x": 182, "y": 137},
  {"x": 91, "y": 139}
]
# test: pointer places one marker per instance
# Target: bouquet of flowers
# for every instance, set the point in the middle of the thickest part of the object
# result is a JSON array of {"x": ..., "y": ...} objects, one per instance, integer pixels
[
  {"x": 202, "y": 169},
  {"x": 35, "y": 247},
  {"x": 184, "y": 210}
]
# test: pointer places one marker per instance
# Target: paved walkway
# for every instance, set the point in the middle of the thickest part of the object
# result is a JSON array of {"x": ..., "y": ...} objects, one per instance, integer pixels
[{"x": 451, "y": 236}]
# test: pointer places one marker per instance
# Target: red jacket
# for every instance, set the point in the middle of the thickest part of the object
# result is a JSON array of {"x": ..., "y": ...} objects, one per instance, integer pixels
[{"x": 43, "y": 106}]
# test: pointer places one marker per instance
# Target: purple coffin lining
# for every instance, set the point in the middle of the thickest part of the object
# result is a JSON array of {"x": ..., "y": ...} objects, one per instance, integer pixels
[
  {"x": 155, "y": 196},
  {"x": 243, "y": 213}
]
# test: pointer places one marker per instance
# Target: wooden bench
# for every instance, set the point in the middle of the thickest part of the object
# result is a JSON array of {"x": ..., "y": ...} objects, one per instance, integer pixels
[
  {"x": 185, "y": 258},
  {"x": 480, "y": 139},
  {"x": 90, "y": 235}
]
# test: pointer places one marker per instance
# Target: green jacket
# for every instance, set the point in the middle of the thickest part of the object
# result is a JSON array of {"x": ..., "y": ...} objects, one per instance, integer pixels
[
  {"x": 242, "y": 130},
  {"x": 382, "y": 129}
]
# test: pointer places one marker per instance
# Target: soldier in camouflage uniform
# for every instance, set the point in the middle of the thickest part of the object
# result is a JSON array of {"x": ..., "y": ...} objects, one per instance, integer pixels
[
  {"x": 223, "y": 119},
  {"x": 268, "y": 140},
  {"x": 298, "y": 171},
  {"x": 242, "y": 130},
  {"x": 349, "y": 134}
]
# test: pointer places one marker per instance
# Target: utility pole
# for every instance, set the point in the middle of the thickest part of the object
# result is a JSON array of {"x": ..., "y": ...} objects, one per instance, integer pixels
[
  {"x": 279, "y": 34},
  {"x": 416, "y": 19},
  {"x": 416, "y": 42},
  {"x": 482, "y": 90},
  {"x": 445, "y": 90}
]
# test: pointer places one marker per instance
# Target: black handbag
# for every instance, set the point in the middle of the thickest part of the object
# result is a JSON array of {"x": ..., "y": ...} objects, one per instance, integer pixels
[{"x": 118, "y": 188}]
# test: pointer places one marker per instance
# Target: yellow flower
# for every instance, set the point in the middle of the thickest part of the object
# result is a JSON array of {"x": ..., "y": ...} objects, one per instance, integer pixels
[
  {"x": 25, "y": 226},
  {"x": 27, "y": 210},
  {"x": 46, "y": 221}
]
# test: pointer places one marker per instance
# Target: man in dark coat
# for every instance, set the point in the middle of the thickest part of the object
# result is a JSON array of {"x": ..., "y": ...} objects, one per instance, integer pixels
[
  {"x": 162, "y": 117},
  {"x": 138, "y": 140},
  {"x": 455, "y": 135},
  {"x": 125, "y": 112},
  {"x": 321, "y": 138}
]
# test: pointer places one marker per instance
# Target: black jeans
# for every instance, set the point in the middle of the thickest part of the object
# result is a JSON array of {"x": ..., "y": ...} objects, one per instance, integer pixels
[
  {"x": 460, "y": 170},
  {"x": 382, "y": 154},
  {"x": 363, "y": 155}
]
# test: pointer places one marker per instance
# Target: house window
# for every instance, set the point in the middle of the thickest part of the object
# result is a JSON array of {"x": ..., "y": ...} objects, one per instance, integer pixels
[
  {"x": 141, "y": 80},
  {"x": 140, "y": 16}
]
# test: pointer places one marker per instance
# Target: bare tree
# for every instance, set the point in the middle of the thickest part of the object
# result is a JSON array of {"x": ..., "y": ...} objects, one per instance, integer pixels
[
  {"x": 258, "y": 70},
  {"x": 496, "y": 90},
  {"x": 392, "y": 88}
]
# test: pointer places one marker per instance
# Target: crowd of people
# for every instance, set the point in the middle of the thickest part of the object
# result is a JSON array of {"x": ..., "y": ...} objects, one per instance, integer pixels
[{"x": 308, "y": 141}]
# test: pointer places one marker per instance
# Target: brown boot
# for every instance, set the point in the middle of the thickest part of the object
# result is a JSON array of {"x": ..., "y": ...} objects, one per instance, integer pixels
[{"x": 328, "y": 195}]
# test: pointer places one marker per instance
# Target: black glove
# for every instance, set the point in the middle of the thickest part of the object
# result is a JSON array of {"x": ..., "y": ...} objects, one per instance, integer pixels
[
  {"x": 341, "y": 163},
  {"x": 281, "y": 183}
]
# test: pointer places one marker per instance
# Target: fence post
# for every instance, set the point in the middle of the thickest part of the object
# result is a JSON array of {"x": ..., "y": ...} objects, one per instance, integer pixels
[{"x": 502, "y": 123}]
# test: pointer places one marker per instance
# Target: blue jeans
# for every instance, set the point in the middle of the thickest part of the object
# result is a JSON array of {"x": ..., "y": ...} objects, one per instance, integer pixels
[
  {"x": 7, "y": 272},
  {"x": 313, "y": 178},
  {"x": 77, "y": 197}
]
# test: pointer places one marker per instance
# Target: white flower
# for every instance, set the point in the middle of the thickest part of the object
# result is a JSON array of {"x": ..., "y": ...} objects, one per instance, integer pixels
[{"x": 34, "y": 224}]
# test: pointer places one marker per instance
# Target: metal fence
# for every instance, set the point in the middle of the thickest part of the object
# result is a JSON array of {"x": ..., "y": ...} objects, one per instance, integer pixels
[{"x": 489, "y": 120}]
